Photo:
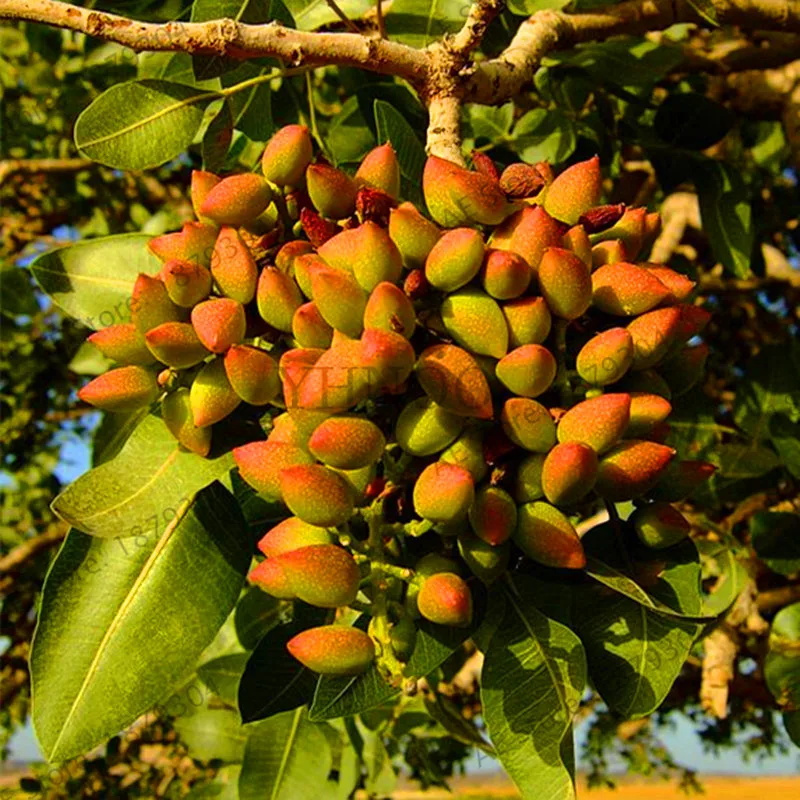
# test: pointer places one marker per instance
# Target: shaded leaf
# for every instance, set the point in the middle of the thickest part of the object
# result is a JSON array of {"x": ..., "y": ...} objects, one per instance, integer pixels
[
  {"x": 420, "y": 22},
  {"x": 256, "y": 613},
  {"x": 775, "y": 537},
  {"x": 139, "y": 491},
  {"x": 533, "y": 679},
  {"x": 286, "y": 758},
  {"x": 785, "y": 436},
  {"x": 141, "y": 124},
  {"x": 98, "y": 661},
  {"x": 221, "y": 675},
  {"x": 392, "y": 127},
  {"x": 213, "y": 734},
  {"x": 92, "y": 281},
  {"x": 693, "y": 121},
  {"x": 217, "y": 139},
  {"x": 541, "y": 135}
]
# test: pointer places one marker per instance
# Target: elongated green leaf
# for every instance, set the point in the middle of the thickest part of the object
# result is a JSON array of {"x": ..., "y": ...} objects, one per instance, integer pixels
[
  {"x": 311, "y": 14},
  {"x": 541, "y": 135},
  {"x": 420, "y": 22},
  {"x": 286, "y": 758},
  {"x": 222, "y": 675},
  {"x": 138, "y": 492},
  {"x": 92, "y": 281},
  {"x": 634, "y": 654},
  {"x": 141, "y": 124},
  {"x": 727, "y": 218},
  {"x": 491, "y": 122},
  {"x": 256, "y": 613},
  {"x": 775, "y": 537},
  {"x": 217, "y": 139},
  {"x": 392, "y": 127},
  {"x": 342, "y": 697},
  {"x": 123, "y": 621},
  {"x": 274, "y": 681},
  {"x": 213, "y": 734},
  {"x": 533, "y": 679}
]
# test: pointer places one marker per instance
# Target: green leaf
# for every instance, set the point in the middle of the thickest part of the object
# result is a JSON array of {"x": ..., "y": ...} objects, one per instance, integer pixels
[
  {"x": 222, "y": 675},
  {"x": 286, "y": 758},
  {"x": 344, "y": 697},
  {"x": 693, "y": 121},
  {"x": 720, "y": 560},
  {"x": 544, "y": 135},
  {"x": 93, "y": 281},
  {"x": 742, "y": 462},
  {"x": 349, "y": 138},
  {"x": 217, "y": 138},
  {"x": 770, "y": 147},
  {"x": 392, "y": 127},
  {"x": 775, "y": 536},
  {"x": 213, "y": 734},
  {"x": 634, "y": 654},
  {"x": 256, "y": 614},
  {"x": 252, "y": 108},
  {"x": 491, "y": 122},
  {"x": 274, "y": 681},
  {"x": 533, "y": 679},
  {"x": 418, "y": 23},
  {"x": 139, "y": 492},
  {"x": 123, "y": 621},
  {"x": 782, "y": 662},
  {"x": 791, "y": 721},
  {"x": 16, "y": 290},
  {"x": 785, "y": 437},
  {"x": 112, "y": 433},
  {"x": 771, "y": 386},
  {"x": 726, "y": 214},
  {"x": 254, "y": 12},
  {"x": 311, "y": 14},
  {"x": 527, "y": 7}
]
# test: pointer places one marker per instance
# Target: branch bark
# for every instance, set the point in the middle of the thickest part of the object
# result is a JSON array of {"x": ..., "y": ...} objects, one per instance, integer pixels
[{"x": 38, "y": 165}]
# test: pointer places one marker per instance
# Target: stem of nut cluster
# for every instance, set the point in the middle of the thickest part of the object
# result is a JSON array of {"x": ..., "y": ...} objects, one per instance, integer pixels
[
  {"x": 562, "y": 378},
  {"x": 283, "y": 212}
]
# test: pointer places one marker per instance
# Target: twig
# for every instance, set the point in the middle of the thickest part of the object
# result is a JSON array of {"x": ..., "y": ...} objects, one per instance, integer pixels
[
  {"x": 342, "y": 16},
  {"x": 381, "y": 19},
  {"x": 770, "y": 599},
  {"x": 480, "y": 15},
  {"x": 34, "y": 165}
]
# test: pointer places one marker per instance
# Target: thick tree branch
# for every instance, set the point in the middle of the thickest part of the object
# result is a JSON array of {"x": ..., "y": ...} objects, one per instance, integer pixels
[
  {"x": 498, "y": 79},
  {"x": 227, "y": 37},
  {"x": 479, "y": 17},
  {"x": 38, "y": 165}
]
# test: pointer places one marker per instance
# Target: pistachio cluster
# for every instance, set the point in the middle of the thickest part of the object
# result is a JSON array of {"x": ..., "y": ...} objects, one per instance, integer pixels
[{"x": 480, "y": 378}]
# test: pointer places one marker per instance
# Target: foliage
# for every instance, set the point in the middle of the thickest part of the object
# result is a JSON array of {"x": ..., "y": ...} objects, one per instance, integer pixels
[{"x": 663, "y": 136}]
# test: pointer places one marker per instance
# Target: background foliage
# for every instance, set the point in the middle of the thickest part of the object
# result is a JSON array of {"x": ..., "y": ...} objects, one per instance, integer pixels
[{"x": 677, "y": 128}]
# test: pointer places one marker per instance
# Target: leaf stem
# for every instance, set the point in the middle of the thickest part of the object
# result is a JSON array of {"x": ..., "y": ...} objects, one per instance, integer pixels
[{"x": 562, "y": 377}]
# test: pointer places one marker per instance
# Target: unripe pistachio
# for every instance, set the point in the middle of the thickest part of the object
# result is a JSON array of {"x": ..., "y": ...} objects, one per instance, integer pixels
[
  {"x": 322, "y": 575},
  {"x": 647, "y": 412},
  {"x": 626, "y": 290},
  {"x": 424, "y": 428},
  {"x": 680, "y": 479},
  {"x": 445, "y": 599},
  {"x": 630, "y": 230},
  {"x": 340, "y": 300},
  {"x": 565, "y": 283},
  {"x": 388, "y": 358},
  {"x": 505, "y": 274},
  {"x": 237, "y": 199},
  {"x": 347, "y": 443},
  {"x": 253, "y": 374},
  {"x": 233, "y": 267},
  {"x": 270, "y": 577},
  {"x": 528, "y": 480},
  {"x": 337, "y": 381},
  {"x": 285, "y": 257},
  {"x": 202, "y": 184},
  {"x": 545, "y": 535},
  {"x": 381, "y": 170},
  {"x": 456, "y": 196},
  {"x": 333, "y": 650},
  {"x": 151, "y": 306},
  {"x": 332, "y": 191},
  {"x": 455, "y": 259},
  {"x": 316, "y": 494},
  {"x": 599, "y": 422},
  {"x": 287, "y": 155},
  {"x": 679, "y": 286},
  {"x": 367, "y": 252},
  {"x": 292, "y": 534},
  {"x": 176, "y": 344},
  {"x": 527, "y": 371},
  {"x": 528, "y": 424},
  {"x": 193, "y": 243},
  {"x": 493, "y": 515},
  {"x": 467, "y": 452},
  {"x": 413, "y": 234},
  {"x": 443, "y": 492},
  {"x": 211, "y": 395},
  {"x": 528, "y": 321},
  {"x": 631, "y": 469},
  {"x": 309, "y": 327},
  {"x": 278, "y": 298},
  {"x": 260, "y": 464},
  {"x": 476, "y": 322},
  {"x": 219, "y": 323},
  {"x": 121, "y": 389},
  {"x": 577, "y": 241},
  {"x": 389, "y": 309},
  {"x": 653, "y": 334},
  {"x": 569, "y": 473},
  {"x": 574, "y": 191},
  {"x": 487, "y": 562},
  {"x": 187, "y": 283},
  {"x": 123, "y": 343},
  {"x": 659, "y": 525},
  {"x": 606, "y": 357},
  {"x": 528, "y": 233},
  {"x": 452, "y": 378},
  {"x": 609, "y": 253},
  {"x": 176, "y": 411}
]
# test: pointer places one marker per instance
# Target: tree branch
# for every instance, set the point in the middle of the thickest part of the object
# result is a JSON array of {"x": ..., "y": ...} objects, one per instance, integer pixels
[
  {"x": 38, "y": 165},
  {"x": 498, "y": 79},
  {"x": 227, "y": 37},
  {"x": 479, "y": 17}
]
